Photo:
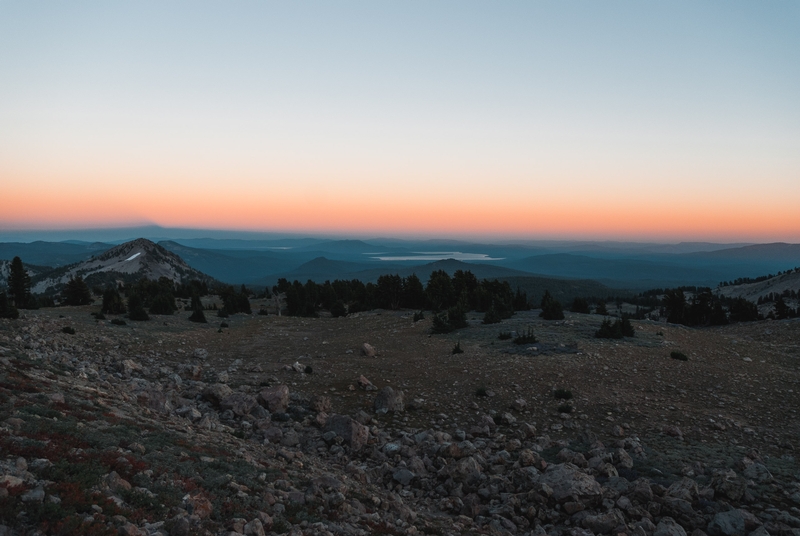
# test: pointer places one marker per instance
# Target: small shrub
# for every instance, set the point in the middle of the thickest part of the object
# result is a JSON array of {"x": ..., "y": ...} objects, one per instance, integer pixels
[
  {"x": 565, "y": 408},
  {"x": 222, "y": 313},
  {"x": 99, "y": 316},
  {"x": 118, "y": 322},
  {"x": 440, "y": 324},
  {"x": 616, "y": 330},
  {"x": 308, "y": 369},
  {"x": 68, "y": 330},
  {"x": 492, "y": 316},
  {"x": 504, "y": 335},
  {"x": 680, "y": 356},
  {"x": 263, "y": 312},
  {"x": 419, "y": 316},
  {"x": 562, "y": 394},
  {"x": 457, "y": 348},
  {"x": 551, "y": 308},
  {"x": 526, "y": 337},
  {"x": 223, "y": 325},
  {"x": 198, "y": 316},
  {"x": 481, "y": 391}
]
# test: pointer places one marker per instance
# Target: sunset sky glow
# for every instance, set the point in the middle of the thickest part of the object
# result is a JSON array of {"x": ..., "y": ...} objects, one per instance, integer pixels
[{"x": 587, "y": 120}]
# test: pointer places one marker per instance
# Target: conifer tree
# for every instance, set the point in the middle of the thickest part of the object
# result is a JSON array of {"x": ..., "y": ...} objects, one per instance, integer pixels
[{"x": 19, "y": 284}]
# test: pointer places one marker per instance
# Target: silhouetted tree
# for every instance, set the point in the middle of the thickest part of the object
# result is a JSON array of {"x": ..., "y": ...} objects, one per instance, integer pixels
[
  {"x": 6, "y": 309},
  {"x": 76, "y": 292},
  {"x": 112, "y": 302},
  {"x": 197, "y": 311},
  {"x": 551, "y": 308},
  {"x": 19, "y": 284},
  {"x": 742, "y": 310},
  {"x": 413, "y": 293},
  {"x": 136, "y": 308},
  {"x": 580, "y": 305},
  {"x": 674, "y": 303},
  {"x": 439, "y": 291}
]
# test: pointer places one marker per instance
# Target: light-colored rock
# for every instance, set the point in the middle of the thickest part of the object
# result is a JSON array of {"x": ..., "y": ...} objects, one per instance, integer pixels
[
  {"x": 275, "y": 399},
  {"x": 669, "y": 527},
  {"x": 389, "y": 400},
  {"x": 570, "y": 483}
]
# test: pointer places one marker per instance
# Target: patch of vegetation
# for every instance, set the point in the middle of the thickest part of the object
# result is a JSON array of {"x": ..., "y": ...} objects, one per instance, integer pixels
[
  {"x": 69, "y": 330},
  {"x": 419, "y": 316},
  {"x": 580, "y": 305},
  {"x": 551, "y": 308},
  {"x": 457, "y": 349},
  {"x": 680, "y": 356},
  {"x": 615, "y": 330},
  {"x": 481, "y": 391},
  {"x": 526, "y": 337},
  {"x": 118, "y": 322},
  {"x": 565, "y": 408},
  {"x": 562, "y": 394},
  {"x": 492, "y": 316},
  {"x": 504, "y": 335},
  {"x": 455, "y": 318}
]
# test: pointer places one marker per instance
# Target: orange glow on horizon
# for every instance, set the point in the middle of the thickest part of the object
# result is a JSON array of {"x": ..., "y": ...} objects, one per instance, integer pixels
[{"x": 458, "y": 214}]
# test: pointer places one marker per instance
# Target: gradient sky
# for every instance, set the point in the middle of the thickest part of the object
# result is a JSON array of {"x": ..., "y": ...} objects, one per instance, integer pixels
[{"x": 662, "y": 121}]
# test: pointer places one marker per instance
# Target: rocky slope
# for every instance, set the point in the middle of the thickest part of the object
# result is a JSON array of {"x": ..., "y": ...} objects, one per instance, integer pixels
[
  {"x": 266, "y": 427},
  {"x": 127, "y": 262},
  {"x": 753, "y": 291}
]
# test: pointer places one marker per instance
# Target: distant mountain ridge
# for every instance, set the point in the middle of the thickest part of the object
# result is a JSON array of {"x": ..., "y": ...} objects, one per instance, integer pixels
[
  {"x": 127, "y": 263},
  {"x": 753, "y": 291}
]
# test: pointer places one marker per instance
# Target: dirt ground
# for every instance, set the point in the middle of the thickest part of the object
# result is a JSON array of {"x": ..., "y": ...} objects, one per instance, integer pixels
[{"x": 738, "y": 389}]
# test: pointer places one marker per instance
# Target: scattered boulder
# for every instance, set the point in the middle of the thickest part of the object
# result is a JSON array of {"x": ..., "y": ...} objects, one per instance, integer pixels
[
  {"x": 668, "y": 527},
  {"x": 389, "y": 400},
  {"x": 730, "y": 523},
  {"x": 569, "y": 483},
  {"x": 215, "y": 392},
  {"x": 368, "y": 350},
  {"x": 365, "y": 385},
  {"x": 240, "y": 403},
  {"x": 275, "y": 399},
  {"x": 355, "y": 434}
]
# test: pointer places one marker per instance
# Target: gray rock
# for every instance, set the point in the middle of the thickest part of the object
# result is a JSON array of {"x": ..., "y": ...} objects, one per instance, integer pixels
[
  {"x": 668, "y": 527},
  {"x": 403, "y": 476},
  {"x": 254, "y": 528},
  {"x": 34, "y": 495},
  {"x": 368, "y": 350},
  {"x": 728, "y": 484},
  {"x": 275, "y": 399},
  {"x": 604, "y": 523},
  {"x": 389, "y": 400},
  {"x": 239, "y": 403},
  {"x": 355, "y": 434},
  {"x": 730, "y": 523},
  {"x": 571, "y": 484},
  {"x": 758, "y": 472},
  {"x": 216, "y": 392}
]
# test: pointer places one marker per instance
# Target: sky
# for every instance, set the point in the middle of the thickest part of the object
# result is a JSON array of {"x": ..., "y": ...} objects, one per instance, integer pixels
[{"x": 660, "y": 121}]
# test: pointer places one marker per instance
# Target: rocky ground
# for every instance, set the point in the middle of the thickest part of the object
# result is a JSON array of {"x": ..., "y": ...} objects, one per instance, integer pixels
[{"x": 368, "y": 424}]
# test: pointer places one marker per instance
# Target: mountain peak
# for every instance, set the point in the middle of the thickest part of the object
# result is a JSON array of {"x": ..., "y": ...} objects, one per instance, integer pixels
[{"x": 128, "y": 262}]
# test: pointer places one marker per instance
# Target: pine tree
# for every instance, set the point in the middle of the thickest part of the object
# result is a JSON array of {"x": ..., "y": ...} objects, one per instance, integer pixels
[
  {"x": 551, "y": 308},
  {"x": 19, "y": 284},
  {"x": 197, "y": 311},
  {"x": 6, "y": 309},
  {"x": 77, "y": 292},
  {"x": 112, "y": 302}
]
